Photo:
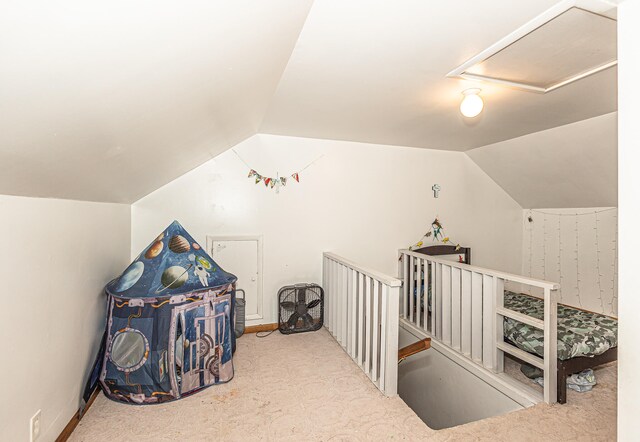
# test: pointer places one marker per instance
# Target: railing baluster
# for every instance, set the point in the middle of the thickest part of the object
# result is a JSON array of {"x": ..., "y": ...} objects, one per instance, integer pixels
[
  {"x": 418, "y": 290},
  {"x": 465, "y": 325},
  {"x": 446, "y": 304},
  {"x": 498, "y": 333},
  {"x": 384, "y": 324},
  {"x": 328, "y": 295},
  {"x": 367, "y": 334},
  {"x": 376, "y": 330},
  {"x": 425, "y": 295},
  {"x": 336, "y": 304},
  {"x": 361, "y": 295},
  {"x": 438, "y": 301},
  {"x": 432, "y": 265},
  {"x": 455, "y": 308},
  {"x": 488, "y": 322},
  {"x": 391, "y": 344},
  {"x": 354, "y": 313},
  {"x": 412, "y": 296},
  {"x": 405, "y": 286},
  {"x": 476, "y": 317},
  {"x": 344, "y": 302},
  {"x": 347, "y": 313},
  {"x": 336, "y": 297}
]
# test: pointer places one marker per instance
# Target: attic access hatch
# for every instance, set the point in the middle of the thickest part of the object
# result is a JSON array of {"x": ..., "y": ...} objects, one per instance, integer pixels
[{"x": 568, "y": 42}]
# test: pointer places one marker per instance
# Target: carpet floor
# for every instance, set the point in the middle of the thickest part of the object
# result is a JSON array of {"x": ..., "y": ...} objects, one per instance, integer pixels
[{"x": 305, "y": 387}]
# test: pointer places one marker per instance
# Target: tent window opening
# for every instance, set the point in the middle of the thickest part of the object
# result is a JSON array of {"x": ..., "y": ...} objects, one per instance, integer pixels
[{"x": 129, "y": 350}]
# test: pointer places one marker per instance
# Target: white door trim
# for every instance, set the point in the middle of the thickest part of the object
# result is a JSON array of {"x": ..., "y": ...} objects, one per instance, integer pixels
[{"x": 258, "y": 238}]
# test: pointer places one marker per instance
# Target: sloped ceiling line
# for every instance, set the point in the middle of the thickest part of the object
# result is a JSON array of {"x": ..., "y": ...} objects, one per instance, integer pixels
[{"x": 175, "y": 87}]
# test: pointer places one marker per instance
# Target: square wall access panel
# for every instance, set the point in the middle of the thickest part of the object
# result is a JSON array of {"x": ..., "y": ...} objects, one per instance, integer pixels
[{"x": 568, "y": 42}]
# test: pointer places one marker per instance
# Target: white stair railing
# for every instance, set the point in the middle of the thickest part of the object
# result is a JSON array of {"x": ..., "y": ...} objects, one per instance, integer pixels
[
  {"x": 362, "y": 313},
  {"x": 465, "y": 313}
]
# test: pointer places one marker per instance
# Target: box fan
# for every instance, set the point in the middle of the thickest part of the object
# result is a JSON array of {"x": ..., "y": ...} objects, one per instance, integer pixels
[{"x": 301, "y": 308}]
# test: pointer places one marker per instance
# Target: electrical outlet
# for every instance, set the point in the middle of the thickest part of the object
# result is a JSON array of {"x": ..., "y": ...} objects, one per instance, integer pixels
[{"x": 35, "y": 427}]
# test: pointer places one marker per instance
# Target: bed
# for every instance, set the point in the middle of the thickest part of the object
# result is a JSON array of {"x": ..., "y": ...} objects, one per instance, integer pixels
[{"x": 585, "y": 339}]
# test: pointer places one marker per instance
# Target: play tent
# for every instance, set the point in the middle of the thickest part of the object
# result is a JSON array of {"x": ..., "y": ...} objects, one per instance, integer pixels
[{"x": 169, "y": 323}]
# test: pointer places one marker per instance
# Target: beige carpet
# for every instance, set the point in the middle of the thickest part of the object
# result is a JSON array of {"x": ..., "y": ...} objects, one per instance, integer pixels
[{"x": 305, "y": 387}]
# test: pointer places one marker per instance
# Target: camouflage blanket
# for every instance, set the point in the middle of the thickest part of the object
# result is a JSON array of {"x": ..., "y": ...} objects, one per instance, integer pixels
[{"x": 579, "y": 333}]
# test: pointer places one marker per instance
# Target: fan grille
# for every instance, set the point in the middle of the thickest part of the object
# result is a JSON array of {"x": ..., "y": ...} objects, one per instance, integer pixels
[{"x": 301, "y": 308}]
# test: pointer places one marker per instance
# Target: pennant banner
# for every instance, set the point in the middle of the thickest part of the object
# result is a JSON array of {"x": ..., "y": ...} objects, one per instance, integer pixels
[
  {"x": 276, "y": 182},
  {"x": 270, "y": 183}
]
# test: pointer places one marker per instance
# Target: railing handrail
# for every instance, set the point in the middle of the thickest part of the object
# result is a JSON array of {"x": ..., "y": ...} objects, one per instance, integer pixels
[
  {"x": 379, "y": 276},
  {"x": 504, "y": 275}
]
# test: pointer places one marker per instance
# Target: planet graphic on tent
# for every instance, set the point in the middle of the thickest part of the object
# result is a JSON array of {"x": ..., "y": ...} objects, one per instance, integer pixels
[
  {"x": 174, "y": 277},
  {"x": 130, "y": 276},
  {"x": 179, "y": 244},
  {"x": 154, "y": 250}
]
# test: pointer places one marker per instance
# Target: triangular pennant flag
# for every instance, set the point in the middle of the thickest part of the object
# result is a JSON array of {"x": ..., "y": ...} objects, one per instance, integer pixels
[
  {"x": 258, "y": 178},
  {"x": 252, "y": 173},
  {"x": 272, "y": 183},
  {"x": 296, "y": 177},
  {"x": 283, "y": 180},
  {"x": 267, "y": 181}
]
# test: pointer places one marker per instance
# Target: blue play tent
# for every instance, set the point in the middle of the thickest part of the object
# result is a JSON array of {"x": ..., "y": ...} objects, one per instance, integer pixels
[{"x": 169, "y": 323}]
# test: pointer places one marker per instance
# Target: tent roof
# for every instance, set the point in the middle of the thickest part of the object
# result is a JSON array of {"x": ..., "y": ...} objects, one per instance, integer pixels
[{"x": 173, "y": 264}]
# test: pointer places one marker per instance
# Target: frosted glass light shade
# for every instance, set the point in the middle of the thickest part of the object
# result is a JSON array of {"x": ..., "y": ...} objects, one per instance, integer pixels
[{"x": 472, "y": 103}]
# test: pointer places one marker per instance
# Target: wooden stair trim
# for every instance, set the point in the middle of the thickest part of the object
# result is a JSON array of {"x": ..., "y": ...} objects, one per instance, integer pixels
[{"x": 414, "y": 348}]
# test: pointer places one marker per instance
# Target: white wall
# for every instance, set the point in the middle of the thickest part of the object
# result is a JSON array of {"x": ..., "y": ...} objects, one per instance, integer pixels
[
  {"x": 444, "y": 394},
  {"x": 629, "y": 222},
  {"x": 56, "y": 258},
  {"x": 359, "y": 200},
  {"x": 576, "y": 248}
]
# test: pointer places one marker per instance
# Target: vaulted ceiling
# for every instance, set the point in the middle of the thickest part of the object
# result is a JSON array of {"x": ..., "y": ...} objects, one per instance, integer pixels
[{"x": 108, "y": 101}]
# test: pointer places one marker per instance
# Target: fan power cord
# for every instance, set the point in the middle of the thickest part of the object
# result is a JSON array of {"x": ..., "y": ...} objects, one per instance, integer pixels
[{"x": 264, "y": 334}]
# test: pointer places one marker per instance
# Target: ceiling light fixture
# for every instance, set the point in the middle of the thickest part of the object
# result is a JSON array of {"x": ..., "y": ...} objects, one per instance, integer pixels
[{"x": 472, "y": 103}]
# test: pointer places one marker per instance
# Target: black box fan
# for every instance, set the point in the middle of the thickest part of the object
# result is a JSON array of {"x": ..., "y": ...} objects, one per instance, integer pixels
[{"x": 301, "y": 308}]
